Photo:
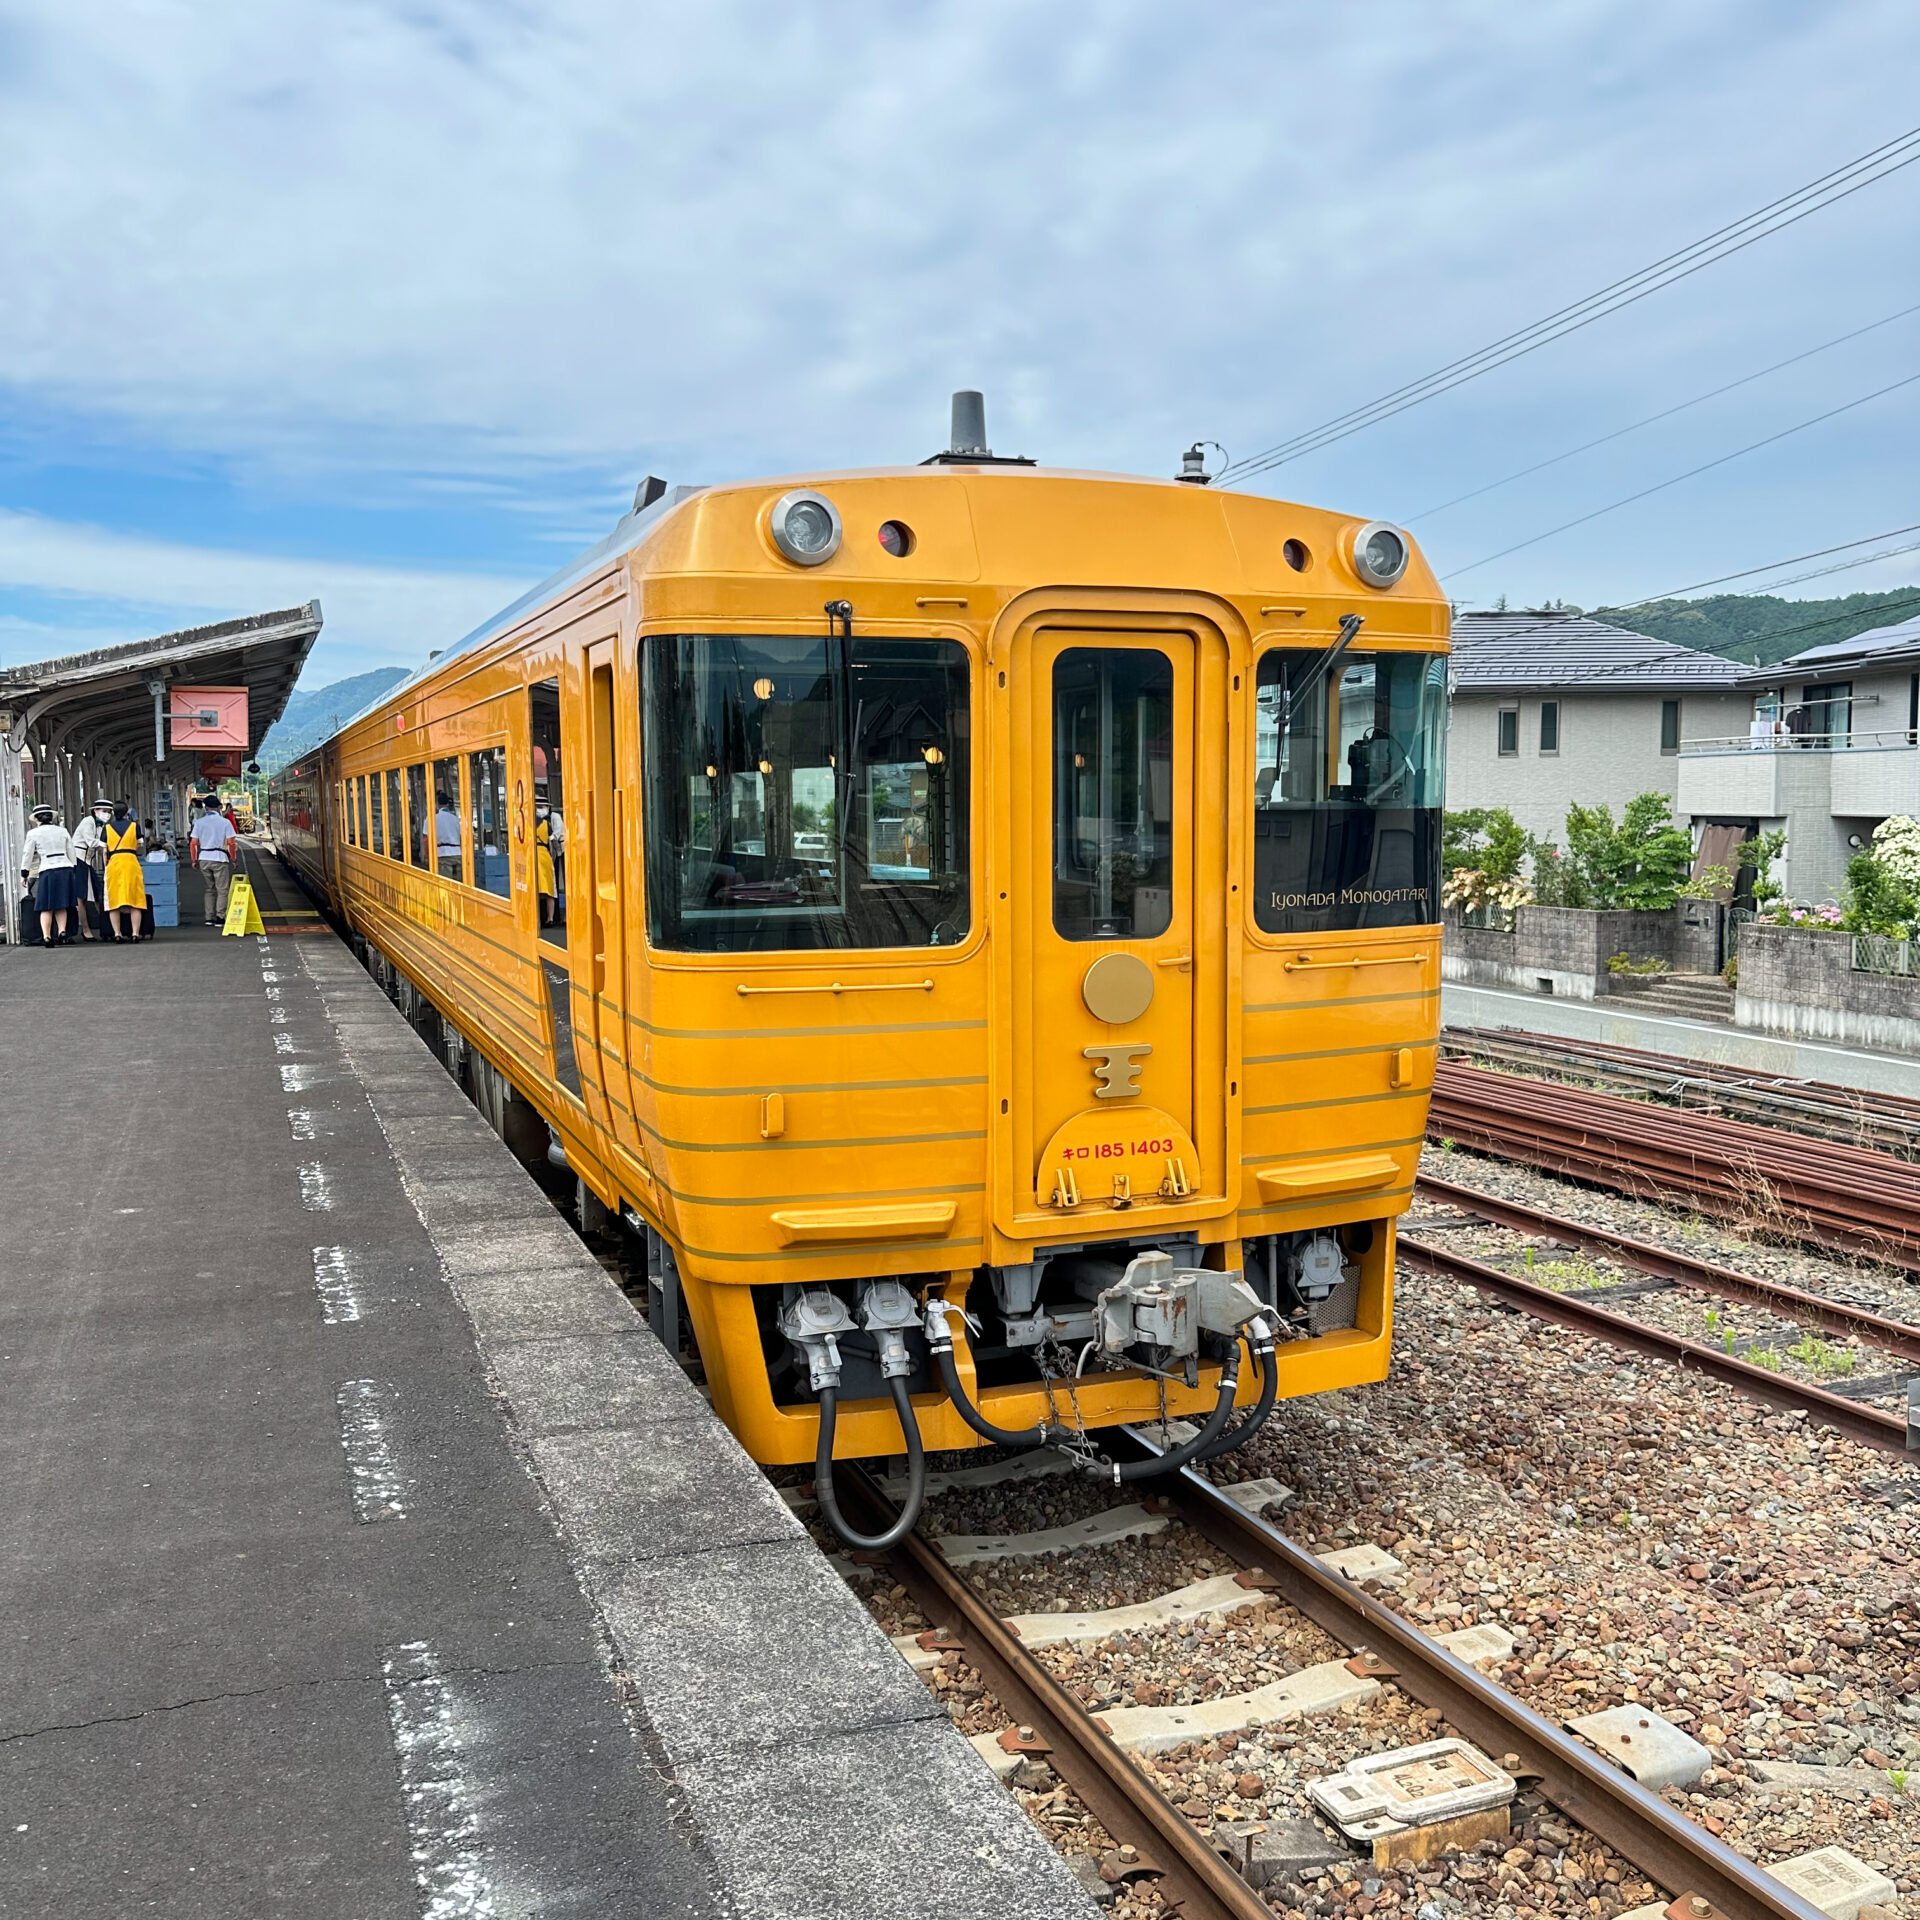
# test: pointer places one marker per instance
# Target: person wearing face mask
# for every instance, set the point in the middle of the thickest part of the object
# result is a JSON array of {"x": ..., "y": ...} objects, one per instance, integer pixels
[
  {"x": 543, "y": 874},
  {"x": 126, "y": 888},
  {"x": 89, "y": 864}
]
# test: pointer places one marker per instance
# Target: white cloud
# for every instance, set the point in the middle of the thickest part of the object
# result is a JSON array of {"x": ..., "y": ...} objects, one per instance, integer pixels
[
  {"x": 374, "y": 616},
  {"x": 373, "y": 239}
]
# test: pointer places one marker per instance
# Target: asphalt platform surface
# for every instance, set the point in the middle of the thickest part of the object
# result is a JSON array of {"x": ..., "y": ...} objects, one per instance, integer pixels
[{"x": 363, "y": 1554}]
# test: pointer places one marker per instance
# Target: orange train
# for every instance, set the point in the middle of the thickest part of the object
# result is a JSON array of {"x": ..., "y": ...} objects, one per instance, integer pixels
[{"x": 980, "y": 923}]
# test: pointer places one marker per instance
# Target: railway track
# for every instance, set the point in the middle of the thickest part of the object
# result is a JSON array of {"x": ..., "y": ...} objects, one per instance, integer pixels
[
  {"x": 1882, "y": 1122},
  {"x": 1192, "y": 1877},
  {"x": 1887, "y": 1432},
  {"x": 1898, "y": 1337},
  {"x": 1845, "y": 1199}
]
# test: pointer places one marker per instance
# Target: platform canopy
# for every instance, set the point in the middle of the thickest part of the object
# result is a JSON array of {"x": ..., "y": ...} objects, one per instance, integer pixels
[{"x": 96, "y": 725}]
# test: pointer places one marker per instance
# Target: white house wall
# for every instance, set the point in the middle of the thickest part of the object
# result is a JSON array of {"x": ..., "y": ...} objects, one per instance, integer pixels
[{"x": 1609, "y": 752}]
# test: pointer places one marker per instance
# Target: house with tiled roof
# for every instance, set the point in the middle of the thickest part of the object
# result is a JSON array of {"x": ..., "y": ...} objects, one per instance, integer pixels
[{"x": 1553, "y": 708}]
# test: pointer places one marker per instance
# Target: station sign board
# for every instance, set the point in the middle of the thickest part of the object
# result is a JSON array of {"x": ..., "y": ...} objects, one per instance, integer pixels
[{"x": 209, "y": 717}]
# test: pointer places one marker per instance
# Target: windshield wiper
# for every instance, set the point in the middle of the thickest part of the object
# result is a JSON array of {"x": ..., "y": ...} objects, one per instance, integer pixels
[{"x": 1350, "y": 625}]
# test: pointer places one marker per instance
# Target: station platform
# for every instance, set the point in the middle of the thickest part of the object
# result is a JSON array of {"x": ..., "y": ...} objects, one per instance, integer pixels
[
  {"x": 366, "y": 1555},
  {"x": 1618, "y": 1024}
]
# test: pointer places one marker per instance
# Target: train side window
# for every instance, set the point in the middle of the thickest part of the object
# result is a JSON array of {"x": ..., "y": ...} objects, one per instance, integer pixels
[
  {"x": 379, "y": 841},
  {"x": 1349, "y": 779},
  {"x": 346, "y": 809},
  {"x": 361, "y": 783},
  {"x": 487, "y": 801},
  {"x": 549, "y": 820},
  {"x": 396, "y": 826},
  {"x": 419, "y": 820},
  {"x": 446, "y": 819},
  {"x": 1112, "y": 793},
  {"x": 806, "y": 793}
]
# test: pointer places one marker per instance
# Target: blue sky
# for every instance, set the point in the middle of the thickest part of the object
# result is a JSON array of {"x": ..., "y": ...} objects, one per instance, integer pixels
[{"x": 393, "y": 304}]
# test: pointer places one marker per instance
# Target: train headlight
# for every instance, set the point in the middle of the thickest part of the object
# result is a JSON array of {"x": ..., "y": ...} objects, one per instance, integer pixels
[
  {"x": 805, "y": 527},
  {"x": 1380, "y": 553}
]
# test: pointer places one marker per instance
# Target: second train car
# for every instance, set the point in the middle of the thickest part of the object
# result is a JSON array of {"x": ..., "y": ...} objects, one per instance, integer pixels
[{"x": 981, "y": 923}]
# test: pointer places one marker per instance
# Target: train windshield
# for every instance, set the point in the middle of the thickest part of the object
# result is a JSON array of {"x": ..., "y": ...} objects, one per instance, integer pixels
[
  {"x": 805, "y": 793},
  {"x": 1349, "y": 781}
]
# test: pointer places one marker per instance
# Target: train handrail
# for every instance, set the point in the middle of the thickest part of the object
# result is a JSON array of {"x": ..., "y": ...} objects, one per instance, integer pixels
[
  {"x": 1305, "y": 963},
  {"x": 846, "y": 986}
]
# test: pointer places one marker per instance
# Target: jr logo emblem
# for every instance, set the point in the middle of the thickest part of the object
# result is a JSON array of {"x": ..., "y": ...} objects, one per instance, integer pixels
[{"x": 1117, "y": 1073}]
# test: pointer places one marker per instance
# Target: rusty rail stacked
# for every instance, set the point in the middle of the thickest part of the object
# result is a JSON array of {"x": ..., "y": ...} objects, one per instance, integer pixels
[
  {"x": 1845, "y": 1198},
  {"x": 1884, "y": 1122}
]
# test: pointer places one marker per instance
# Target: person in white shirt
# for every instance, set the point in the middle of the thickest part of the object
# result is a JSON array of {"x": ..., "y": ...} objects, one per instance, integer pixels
[
  {"x": 48, "y": 854},
  {"x": 446, "y": 835},
  {"x": 214, "y": 846},
  {"x": 90, "y": 864}
]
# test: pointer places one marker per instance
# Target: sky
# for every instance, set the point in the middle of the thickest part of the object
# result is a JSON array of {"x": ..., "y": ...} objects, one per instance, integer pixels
[{"x": 393, "y": 304}]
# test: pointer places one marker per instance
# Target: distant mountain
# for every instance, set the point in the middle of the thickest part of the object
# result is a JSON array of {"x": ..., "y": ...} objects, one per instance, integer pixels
[
  {"x": 1761, "y": 628},
  {"x": 311, "y": 717}
]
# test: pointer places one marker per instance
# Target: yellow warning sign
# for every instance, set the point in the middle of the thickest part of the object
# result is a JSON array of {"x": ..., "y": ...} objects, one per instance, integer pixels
[{"x": 243, "y": 914}]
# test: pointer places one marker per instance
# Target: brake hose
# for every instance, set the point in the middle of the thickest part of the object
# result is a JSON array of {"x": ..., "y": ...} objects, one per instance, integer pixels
[
  {"x": 1122, "y": 1471},
  {"x": 1259, "y": 1338},
  {"x": 916, "y": 1472},
  {"x": 940, "y": 1344}
]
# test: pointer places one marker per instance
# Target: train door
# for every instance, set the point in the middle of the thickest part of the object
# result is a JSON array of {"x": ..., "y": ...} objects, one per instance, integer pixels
[
  {"x": 1117, "y": 954},
  {"x": 601, "y": 888}
]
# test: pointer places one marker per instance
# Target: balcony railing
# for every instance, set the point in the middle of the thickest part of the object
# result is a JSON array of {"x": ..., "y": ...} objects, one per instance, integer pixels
[{"x": 1857, "y": 739}]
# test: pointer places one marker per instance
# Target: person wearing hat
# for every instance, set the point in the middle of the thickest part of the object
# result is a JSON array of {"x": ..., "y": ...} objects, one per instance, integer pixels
[
  {"x": 126, "y": 887},
  {"x": 213, "y": 846},
  {"x": 89, "y": 863},
  {"x": 49, "y": 868}
]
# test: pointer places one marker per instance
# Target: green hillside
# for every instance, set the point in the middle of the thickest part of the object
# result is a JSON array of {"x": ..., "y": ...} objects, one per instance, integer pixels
[
  {"x": 1761, "y": 628},
  {"x": 311, "y": 717}
]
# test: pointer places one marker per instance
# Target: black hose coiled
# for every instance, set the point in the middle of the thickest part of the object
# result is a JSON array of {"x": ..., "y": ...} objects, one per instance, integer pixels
[
  {"x": 1024, "y": 1437},
  {"x": 916, "y": 1472},
  {"x": 1198, "y": 1447},
  {"x": 1269, "y": 1364}
]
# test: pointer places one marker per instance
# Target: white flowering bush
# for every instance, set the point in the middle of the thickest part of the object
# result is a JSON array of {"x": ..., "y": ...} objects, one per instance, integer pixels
[
  {"x": 1467, "y": 888},
  {"x": 1896, "y": 847}
]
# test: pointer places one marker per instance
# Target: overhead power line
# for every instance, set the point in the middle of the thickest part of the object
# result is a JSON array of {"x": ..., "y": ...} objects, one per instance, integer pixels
[
  {"x": 1661, "y": 486},
  {"x": 1792, "y": 560},
  {"x": 1774, "y": 217},
  {"x": 1666, "y": 413}
]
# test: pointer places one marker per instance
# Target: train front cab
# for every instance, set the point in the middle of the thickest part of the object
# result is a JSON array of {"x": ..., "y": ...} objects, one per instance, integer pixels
[{"x": 1188, "y": 1007}]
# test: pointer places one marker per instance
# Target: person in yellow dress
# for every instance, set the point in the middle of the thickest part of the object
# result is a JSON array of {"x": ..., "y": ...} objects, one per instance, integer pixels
[
  {"x": 126, "y": 888},
  {"x": 544, "y": 879}
]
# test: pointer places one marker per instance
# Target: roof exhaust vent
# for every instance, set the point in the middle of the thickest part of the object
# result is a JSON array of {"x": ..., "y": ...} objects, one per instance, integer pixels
[
  {"x": 968, "y": 440},
  {"x": 647, "y": 492},
  {"x": 970, "y": 424}
]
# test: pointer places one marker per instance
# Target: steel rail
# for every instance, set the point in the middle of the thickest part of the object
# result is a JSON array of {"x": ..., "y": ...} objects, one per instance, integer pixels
[
  {"x": 1833, "y": 1196},
  {"x": 1896, "y": 1336},
  {"x": 1884, "y": 1431},
  {"x": 1193, "y": 1877},
  {"x": 1669, "y": 1848}
]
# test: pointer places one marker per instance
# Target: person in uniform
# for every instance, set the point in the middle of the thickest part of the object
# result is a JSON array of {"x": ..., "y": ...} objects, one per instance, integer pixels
[
  {"x": 48, "y": 853},
  {"x": 126, "y": 885},
  {"x": 89, "y": 863}
]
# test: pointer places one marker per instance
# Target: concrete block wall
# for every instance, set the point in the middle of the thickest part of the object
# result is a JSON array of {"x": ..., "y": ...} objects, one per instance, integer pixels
[
  {"x": 1796, "y": 981},
  {"x": 1558, "y": 950}
]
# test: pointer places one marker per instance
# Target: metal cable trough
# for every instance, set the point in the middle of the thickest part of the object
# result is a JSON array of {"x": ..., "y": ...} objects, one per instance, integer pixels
[{"x": 1841, "y": 1197}]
